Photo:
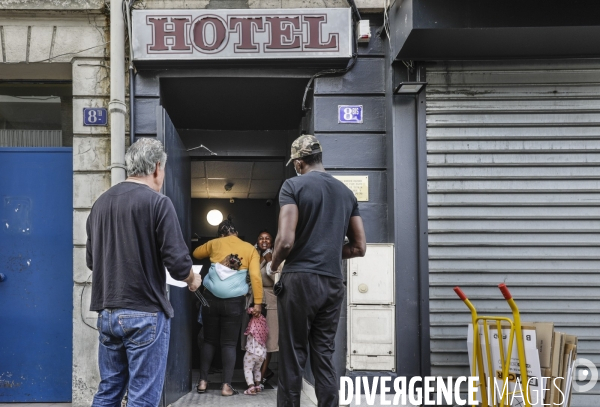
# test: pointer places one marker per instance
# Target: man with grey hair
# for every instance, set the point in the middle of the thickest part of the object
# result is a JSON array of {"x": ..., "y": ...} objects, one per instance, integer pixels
[{"x": 132, "y": 235}]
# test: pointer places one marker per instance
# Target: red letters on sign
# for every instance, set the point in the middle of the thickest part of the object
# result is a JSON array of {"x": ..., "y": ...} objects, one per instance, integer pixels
[
  {"x": 314, "y": 34},
  {"x": 251, "y": 33},
  {"x": 200, "y": 30},
  {"x": 284, "y": 33},
  {"x": 246, "y": 31},
  {"x": 169, "y": 34}
]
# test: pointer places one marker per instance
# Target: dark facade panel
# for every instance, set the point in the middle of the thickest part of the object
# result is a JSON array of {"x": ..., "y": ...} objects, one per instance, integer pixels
[
  {"x": 145, "y": 115},
  {"x": 441, "y": 14},
  {"x": 366, "y": 77},
  {"x": 459, "y": 29},
  {"x": 376, "y": 46},
  {"x": 374, "y": 217},
  {"x": 373, "y": 212},
  {"x": 353, "y": 150},
  {"x": 146, "y": 84},
  {"x": 486, "y": 43},
  {"x": 407, "y": 158},
  {"x": 326, "y": 113}
]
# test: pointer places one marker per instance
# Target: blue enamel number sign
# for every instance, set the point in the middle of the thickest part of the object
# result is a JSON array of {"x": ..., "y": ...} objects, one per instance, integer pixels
[
  {"x": 95, "y": 116},
  {"x": 350, "y": 114}
]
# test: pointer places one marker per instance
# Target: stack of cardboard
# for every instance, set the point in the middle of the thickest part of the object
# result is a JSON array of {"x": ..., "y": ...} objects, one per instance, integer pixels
[
  {"x": 558, "y": 352},
  {"x": 550, "y": 357}
]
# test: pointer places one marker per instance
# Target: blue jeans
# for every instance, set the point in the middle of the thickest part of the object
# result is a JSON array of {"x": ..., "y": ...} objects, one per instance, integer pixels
[{"x": 132, "y": 355}]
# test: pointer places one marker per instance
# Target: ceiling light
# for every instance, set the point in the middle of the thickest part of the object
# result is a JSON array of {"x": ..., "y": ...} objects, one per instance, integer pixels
[
  {"x": 409, "y": 88},
  {"x": 214, "y": 217}
]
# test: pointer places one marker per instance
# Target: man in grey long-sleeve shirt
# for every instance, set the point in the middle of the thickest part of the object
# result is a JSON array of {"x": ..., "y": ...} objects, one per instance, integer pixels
[{"x": 132, "y": 235}]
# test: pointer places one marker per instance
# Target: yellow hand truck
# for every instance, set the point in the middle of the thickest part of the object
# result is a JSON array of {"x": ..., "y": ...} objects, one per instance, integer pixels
[{"x": 481, "y": 322}]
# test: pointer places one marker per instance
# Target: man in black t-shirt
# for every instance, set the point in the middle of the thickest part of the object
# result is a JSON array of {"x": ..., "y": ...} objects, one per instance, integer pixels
[
  {"x": 132, "y": 235},
  {"x": 317, "y": 213}
]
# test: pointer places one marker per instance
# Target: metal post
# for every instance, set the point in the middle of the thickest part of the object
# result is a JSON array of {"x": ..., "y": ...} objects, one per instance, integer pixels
[
  {"x": 117, "y": 105},
  {"x": 131, "y": 106}
]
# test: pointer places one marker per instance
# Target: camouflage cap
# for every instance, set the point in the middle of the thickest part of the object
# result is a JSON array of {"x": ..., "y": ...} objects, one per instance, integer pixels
[{"x": 303, "y": 146}]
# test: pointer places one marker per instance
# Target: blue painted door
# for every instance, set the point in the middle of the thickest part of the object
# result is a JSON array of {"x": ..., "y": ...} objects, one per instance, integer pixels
[{"x": 36, "y": 263}]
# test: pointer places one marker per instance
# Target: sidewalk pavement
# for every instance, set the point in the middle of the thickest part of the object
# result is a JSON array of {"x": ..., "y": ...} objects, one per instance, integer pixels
[{"x": 213, "y": 398}]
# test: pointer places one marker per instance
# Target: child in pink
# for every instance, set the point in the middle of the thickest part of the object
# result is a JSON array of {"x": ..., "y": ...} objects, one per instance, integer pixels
[{"x": 256, "y": 351}]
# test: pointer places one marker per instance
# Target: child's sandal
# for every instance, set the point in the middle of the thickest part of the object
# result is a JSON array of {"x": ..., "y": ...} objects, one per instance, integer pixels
[{"x": 251, "y": 391}]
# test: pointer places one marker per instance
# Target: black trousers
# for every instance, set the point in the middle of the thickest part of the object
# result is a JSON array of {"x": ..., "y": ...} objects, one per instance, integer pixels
[
  {"x": 308, "y": 314},
  {"x": 222, "y": 324}
]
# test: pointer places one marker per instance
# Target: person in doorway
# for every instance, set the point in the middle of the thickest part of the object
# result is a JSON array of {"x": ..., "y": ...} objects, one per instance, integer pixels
[
  {"x": 317, "y": 212},
  {"x": 264, "y": 245},
  {"x": 256, "y": 339},
  {"x": 132, "y": 235},
  {"x": 226, "y": 296}
]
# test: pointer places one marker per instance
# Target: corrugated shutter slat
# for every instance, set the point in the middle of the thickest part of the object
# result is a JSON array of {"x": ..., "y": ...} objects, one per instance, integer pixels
[{"x": 514, "y": 197}]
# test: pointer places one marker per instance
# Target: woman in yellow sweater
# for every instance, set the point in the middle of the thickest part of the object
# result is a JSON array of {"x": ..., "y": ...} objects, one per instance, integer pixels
[{"x": 226, "y": 298}]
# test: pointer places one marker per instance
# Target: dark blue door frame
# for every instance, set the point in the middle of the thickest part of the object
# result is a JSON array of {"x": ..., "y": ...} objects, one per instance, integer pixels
[{"x": 177, "y": 186}]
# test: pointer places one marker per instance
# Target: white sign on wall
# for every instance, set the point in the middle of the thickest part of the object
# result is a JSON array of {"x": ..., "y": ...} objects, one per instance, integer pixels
[{"x": 241, "y": 34}]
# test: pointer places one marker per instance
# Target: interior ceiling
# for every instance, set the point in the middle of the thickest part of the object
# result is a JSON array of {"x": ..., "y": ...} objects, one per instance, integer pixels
[
  {"x": 250, "y": 179},
  {"x": 234, "y": 103},
  {"x": 30, "y": 112}
]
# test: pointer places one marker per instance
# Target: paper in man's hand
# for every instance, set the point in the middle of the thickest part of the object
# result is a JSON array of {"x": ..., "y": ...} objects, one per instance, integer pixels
[{"x": 173, "y": 282}]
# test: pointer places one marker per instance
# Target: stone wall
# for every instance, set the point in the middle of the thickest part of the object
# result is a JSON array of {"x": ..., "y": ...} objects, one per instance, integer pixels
[{"x": 91, "y": 177}]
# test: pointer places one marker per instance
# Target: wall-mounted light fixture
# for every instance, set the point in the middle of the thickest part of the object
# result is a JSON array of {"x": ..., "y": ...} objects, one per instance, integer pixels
[
  {"x": 412, "y": 84},
  {"x": 214, "y": 217},
  {"x": 409, "y": 88}
]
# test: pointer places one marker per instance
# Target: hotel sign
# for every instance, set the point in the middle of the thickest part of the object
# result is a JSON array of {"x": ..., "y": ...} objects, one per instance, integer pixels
[{"x": 241, "y": 34}]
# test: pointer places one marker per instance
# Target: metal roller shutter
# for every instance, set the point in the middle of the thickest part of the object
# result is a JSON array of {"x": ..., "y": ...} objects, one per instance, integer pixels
[{"x": 514, "y": 196}]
